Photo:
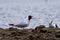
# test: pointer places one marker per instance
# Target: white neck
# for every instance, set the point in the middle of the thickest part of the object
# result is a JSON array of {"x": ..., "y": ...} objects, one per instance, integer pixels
[{"x": 28, "y": 21}]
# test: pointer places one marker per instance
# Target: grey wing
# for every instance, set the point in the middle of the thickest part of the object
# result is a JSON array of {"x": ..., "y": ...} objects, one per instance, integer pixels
[{"x": 21, "y": 25}]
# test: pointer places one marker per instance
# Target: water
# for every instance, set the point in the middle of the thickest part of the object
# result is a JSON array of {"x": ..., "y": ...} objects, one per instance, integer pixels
[{"x": 15, "y": 11}]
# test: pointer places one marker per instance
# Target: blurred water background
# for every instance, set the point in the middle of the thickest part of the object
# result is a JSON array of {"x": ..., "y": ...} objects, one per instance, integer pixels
[{"x": 15, "y": 11}]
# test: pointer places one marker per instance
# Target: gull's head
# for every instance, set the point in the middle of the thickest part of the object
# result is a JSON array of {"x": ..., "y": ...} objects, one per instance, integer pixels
[{"x": 29, "y": 17}]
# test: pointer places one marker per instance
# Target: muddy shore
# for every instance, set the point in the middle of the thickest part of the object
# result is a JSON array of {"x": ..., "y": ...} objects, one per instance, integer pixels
[{"x": 39, "y": 33}]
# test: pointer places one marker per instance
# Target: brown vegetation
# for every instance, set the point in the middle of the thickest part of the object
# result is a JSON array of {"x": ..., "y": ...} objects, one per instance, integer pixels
[{"x": 39, "y": 33}]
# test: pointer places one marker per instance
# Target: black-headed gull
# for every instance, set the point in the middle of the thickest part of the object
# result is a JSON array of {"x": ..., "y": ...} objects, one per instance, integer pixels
[
  {"x": 51, "y": 25},
  {"x": 23, "y": 24}
]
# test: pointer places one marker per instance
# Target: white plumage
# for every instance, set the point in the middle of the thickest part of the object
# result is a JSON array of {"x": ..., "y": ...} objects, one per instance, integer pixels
[
  {"x": 51, "y": 25},
  {"x": 22, "y": 24}
]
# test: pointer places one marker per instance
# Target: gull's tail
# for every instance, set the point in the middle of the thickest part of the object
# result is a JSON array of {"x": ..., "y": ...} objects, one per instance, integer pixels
[
  {"x": 11, "y": 24},
  {"x": 56, "y": 25}
]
